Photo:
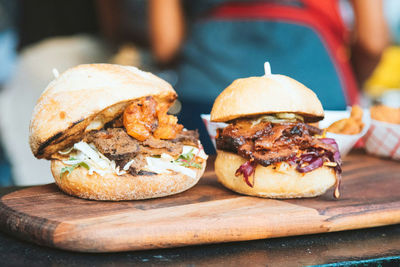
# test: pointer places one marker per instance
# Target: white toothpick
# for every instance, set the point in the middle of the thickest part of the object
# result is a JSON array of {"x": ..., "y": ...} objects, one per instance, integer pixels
[
  {"x": 267, "y": 68},
  {"x": 56, "y": 73}
]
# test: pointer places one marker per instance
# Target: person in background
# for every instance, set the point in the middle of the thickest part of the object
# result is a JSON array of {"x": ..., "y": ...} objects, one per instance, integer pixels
[
  {"x": 48, "y": 37},
  {"x": 385, "y": 80},
  {"x": 8, "y": 39},
  {"x": 219, "y": 41},
  {"x": 8, "y": 54}
]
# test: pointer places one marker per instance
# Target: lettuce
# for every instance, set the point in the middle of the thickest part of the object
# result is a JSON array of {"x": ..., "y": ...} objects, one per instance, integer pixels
[
  {"x": 187, "y": 160},
  {"x": 70, "y": 168}
]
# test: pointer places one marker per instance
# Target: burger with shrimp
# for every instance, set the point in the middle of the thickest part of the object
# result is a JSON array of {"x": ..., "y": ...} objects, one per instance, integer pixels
[{"x": 106, "y": 130}]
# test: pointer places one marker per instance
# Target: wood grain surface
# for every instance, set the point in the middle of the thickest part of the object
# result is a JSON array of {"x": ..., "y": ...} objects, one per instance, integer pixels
[{"x": 207, "y": 213}]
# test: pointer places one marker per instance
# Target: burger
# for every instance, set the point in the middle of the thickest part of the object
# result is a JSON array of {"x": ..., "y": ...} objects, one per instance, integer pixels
[
  {"x": 108, "y": 135},
  {"x": 269, "y": 148}
]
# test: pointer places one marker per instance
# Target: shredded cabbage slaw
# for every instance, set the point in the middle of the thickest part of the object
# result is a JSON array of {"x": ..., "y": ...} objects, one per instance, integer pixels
[{"x": 86, "y": 155}]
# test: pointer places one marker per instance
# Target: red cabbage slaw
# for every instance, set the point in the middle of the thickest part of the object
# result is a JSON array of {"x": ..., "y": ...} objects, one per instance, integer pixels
[
  {"x": 306, "y": 162},
  {"x": 247, "y": 169}
]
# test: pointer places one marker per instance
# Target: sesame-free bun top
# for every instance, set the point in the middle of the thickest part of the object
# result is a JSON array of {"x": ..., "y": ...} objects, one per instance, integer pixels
[
  {"x": 86, "y": 97},
  {"x": 264, "y": 95}
]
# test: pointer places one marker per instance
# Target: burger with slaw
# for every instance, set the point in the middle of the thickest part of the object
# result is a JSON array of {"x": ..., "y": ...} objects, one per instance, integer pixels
[
  {"x": 106, "y": 130},
  {"x": 269, "y": 149}
]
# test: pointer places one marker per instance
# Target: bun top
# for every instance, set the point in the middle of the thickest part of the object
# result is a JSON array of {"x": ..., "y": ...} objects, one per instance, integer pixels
[
  {"x": 264, "y": 95},
  {"x": 86, "y": 97}
]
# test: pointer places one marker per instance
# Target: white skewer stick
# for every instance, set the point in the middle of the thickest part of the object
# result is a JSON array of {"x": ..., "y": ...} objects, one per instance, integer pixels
[
  {"x": 56, "y": 73},
  {"x": 267, "y": 68}
]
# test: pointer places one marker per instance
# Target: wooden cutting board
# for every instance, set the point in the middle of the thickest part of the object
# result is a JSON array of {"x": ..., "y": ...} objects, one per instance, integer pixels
[{"x": 207, "y": 213}]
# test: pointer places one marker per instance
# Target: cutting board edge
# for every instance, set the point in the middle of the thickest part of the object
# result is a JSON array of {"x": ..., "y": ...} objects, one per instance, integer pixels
[
  {"x": 322, "y": 225},
  {"x": 178, "y": 245},
  {"x": 16, "y": 223}
]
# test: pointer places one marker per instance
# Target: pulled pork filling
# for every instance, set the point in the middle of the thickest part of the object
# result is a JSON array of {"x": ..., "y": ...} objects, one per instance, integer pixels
[
  {"x": 117, "y": 145},
  {"x": 144, "y": 140},
  {"x": 270, "y": 143}
]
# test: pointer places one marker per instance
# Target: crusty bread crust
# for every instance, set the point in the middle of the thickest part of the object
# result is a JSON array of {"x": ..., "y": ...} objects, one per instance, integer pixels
[
  {"x": 123, "y": 187},
  {"x": 86, "y": 93},
  {"x": 263, "y": 95},
  {"x": 270, "y": 183}
]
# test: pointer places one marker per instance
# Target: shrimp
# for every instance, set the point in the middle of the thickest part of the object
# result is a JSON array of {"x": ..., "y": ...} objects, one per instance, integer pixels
[
  {"x": 168, "y": 126},
  {"x": 140, "y": 118},
  {"x": 144, "y": 118}
]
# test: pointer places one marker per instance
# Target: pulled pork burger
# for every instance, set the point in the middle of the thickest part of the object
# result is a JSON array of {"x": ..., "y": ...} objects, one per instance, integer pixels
[
  {"x": 106, "y": 130},
  {"x": 268, "y": 148}
]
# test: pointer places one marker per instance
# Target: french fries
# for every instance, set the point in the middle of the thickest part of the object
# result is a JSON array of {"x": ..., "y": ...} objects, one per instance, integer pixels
[
  {"x": 386, "y": 114},
  {"x": 351, "y": 125}
]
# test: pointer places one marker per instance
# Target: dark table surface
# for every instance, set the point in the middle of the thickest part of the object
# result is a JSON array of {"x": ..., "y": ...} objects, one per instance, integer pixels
[{"x": 374, "y": 245}]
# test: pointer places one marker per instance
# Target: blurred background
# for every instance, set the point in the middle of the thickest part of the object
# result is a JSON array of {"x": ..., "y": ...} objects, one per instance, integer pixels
[{"x": 346, "y": 51}]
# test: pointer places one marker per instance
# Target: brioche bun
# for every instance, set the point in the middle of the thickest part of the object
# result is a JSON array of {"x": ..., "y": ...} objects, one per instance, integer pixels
[
  {"x": 85, "y": 94},
  {"x": 270, "y": 183},
  {"x": 114, "y": 187},
  {"x": 266, "y": 94}
]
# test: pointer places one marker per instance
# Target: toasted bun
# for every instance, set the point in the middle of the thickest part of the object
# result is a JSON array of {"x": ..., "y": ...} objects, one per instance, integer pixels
[
  {"x": 266, "y": 94},
  {"x": 88, "y": 95},
  {"x": 271, "y": 183},
  {"x": 81, "y": 184}
]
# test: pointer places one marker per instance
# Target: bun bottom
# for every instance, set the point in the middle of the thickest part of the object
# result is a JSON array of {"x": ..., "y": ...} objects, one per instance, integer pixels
[
  {"x": 114, "y": 187},
  {"x": 270, "y": 183}
]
